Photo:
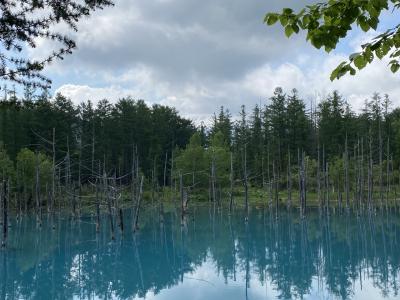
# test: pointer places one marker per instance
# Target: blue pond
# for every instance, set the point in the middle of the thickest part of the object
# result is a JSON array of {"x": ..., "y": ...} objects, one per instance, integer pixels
[{"x": 211, "y": 256}]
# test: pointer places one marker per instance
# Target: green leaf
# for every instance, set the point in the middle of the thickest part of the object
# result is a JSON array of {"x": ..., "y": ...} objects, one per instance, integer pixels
[
  {"x": 316, "y": 42},
  {"x": 395, "y": 67},
  {"x": 271, "y": 19},
  {"x": 379, "y": 53},
  {"x": 339, "y": 71},
  {"x": 334, "y": 74},
  {"x": 289, "y": 30},
  {"x": 287, "y": 11},
  {"x": 306, "y": 20},
  {"x": 363, "y": 23},
  {"x": 372, "y": 11},
  {"x": 283, "y": 19},
  {"x": 360, "y": 62},
  {"x": 373, "y": 22},
  {"x": 368, "y": 55}
]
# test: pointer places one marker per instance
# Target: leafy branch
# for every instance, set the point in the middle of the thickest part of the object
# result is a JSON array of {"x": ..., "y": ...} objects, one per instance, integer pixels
[{"x": 329, "y": 22}]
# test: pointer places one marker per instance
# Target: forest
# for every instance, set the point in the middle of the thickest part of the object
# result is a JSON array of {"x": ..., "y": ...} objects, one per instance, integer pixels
[
  {"x": 110, "y": 196},
  {"x": 282, "y": 152}
]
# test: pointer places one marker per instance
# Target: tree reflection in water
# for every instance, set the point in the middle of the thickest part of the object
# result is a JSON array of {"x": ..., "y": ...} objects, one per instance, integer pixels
[{"x": 211, "y": 255}]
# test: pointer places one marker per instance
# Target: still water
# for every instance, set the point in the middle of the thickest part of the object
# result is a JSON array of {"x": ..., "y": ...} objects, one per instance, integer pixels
[{"x": 212, "y": 256}]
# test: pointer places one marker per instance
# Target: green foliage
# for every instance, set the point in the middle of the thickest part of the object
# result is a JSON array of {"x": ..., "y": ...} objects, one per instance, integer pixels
[
  {"x": 257, "y": 139},
  {"x": 7, "y": 171},
  {"x": 287, "y": 126},
  {"x": 27, "y": 161},
  {"x": 116, "y": 131},
  {"x": 326, "y": 23},
  {"x": 298, "y": 123},
  {"x": 219, "y": 153},
  {"x": 222, "y": 124},
  {"x": 193, "y": 164},
  {"x": 275, "y": 121},
  {"x": 267, "y": 137},
  {"x": 195, "y": 161},
  {"x": 332, "y": 124}
]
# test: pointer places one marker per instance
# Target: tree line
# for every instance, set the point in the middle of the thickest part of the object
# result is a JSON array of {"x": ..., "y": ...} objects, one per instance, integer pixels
[
  {"x": 280, "y": 147},
  {"x": 325, "y": 149}
]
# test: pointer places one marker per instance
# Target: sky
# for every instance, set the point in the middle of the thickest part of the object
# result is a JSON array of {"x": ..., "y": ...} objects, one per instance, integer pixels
[{"x": 200, "y": 55}]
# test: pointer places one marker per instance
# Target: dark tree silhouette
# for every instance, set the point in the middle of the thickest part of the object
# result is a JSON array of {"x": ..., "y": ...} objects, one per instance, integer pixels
[{"x": 22, "y": 22}]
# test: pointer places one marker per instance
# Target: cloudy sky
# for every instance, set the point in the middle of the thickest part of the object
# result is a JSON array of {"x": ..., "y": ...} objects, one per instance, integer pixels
[{"x": 199, "y": 55}]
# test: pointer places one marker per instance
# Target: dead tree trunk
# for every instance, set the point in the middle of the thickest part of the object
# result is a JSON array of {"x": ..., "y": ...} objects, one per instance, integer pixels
[
  {"x": 4, "y": 196},
  {"x": 106, "y": 193},
  {"x": 172, "y": 174},
  {"x": 289, "y": 183},
  {"x": 1, "y": 205},
  {"x": 276, "y": 197},
  {"x": 362, "y": 180},
  {"x": 165, "y": 171},
  {"x": 339, "y": 198},
  {"x": 213, "y": 180},
  {"x": 387, "y": 174},
  {"x": 97, "y": 208},
  {"x": 182, "y": 196},
  {"x": 394, "y": 185},
  {"x": 121, "y": 219},
  {"x": 319, "y": 179},
  {"x": 305, "y": 183},
  {"x": 327, "y": 188},
  {"x": 137, "y": 212},
  {"x": 118, "y": 209},
  {"x": 18, "y": 195},
  {"x": 358, "y": 177},
  {"x": 346, "y": 175},
  {"x": 53, "y": 179},
  {"x": 24, "y": 193},
  {"x": 37, "y": 191},
  {"x": 245, "y": 182},
  {"x": 133, "y": 186},
  {"x": 93, "y": 148},
  {"x": 269, "y": 181},
  {"x": 68, "y": 181},
  {"x": 380, "y": 165},
  {"x": 231, "y": 187},
  {"x": 302, "y": 184},
  {"x": 370, "y": 178},
  {"x": 262, "y": 171},
  {"x": 79, "y": 181}
]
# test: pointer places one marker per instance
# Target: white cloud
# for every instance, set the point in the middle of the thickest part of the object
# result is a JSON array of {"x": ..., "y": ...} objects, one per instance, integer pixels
[
  {"x": 81, "y": 93},
  {"x": 198, "y": 100},
  {"x": 198, "y": 56}
]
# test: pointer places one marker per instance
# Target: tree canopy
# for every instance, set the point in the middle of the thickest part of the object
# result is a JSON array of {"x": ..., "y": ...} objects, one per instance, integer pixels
[
  {"x": 328, "y": 22},
  {"x": 23, "y": 22}
]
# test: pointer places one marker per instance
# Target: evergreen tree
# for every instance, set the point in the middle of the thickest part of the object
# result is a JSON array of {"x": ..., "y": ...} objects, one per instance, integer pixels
[
  {"x": 332, "y": 131},
  {"x": 24, "y": 23},
  {"x": 298, "y": 125},
  {"x": 256, "y": 145},
  {"x": 276, "y": 122},
  {"x": 223, "y": 124}
]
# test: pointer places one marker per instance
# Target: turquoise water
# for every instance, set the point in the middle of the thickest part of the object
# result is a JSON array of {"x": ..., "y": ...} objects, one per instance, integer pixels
[{"x": 213, "y": 256}]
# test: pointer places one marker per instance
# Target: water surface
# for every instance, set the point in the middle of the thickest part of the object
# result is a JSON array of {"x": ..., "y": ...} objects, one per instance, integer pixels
[{"x": 212, "y": 256}]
